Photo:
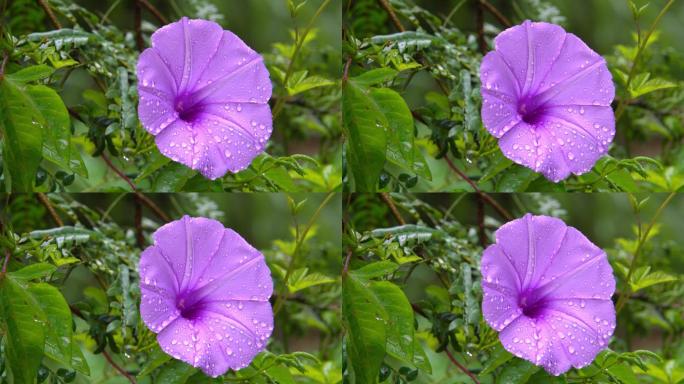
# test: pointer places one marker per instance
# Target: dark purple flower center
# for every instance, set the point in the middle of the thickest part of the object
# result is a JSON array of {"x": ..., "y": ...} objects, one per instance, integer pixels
[
  {"x": 531, "y": 113},
  {"x": 188, "y": 111},
  {"x": 189, "y": 310},
  {"x": 531, "y": 306}
]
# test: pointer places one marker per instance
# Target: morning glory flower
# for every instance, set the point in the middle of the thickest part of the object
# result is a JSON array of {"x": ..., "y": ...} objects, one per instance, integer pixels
[
  {"x": 547, "y": 291},
  {"x": 204, "y": 96},
  {"x": 205, "y": 293},
  {"x": 546, "y": 96}
]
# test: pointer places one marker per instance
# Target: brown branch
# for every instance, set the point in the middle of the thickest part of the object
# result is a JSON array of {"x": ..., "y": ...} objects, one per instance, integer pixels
[
  {"x": 480, "y": 222},
  {"x": 461, "y": 367},
  {"x": 393, "y": 16},
  {"x": 8, "y": 255},
  {"x": 488, "y": 199},
  {"x": 51, "y": 15},
  {"x": 51, "y": 210},
  {"x": 482, "y": 44},
  {"x": 144, "y": 199},
  {"x": 347, "y": 259},
  {"x": 118, "y": 171},
  {"x": 154, "y": 11},
  {"x": 499, "y": 16},
  {"x": 139, "y": 236},
  {"x": 117, "y": 367},
  {"x": 5, "y": 57},
  {"x": 345, "y": 73},
  {"x": 393, "y": 208},
  {"x": 137, "y": 15}
]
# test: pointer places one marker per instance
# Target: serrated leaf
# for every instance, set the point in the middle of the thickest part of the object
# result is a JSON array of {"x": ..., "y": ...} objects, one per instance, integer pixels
[
  {"x": 643, "y": 278},
  {"x": 307, "y": 83},
  {"x": 643, "y": 84},
  {"x": 24, "y": 327},
  {"x": 301, "y": 279}
]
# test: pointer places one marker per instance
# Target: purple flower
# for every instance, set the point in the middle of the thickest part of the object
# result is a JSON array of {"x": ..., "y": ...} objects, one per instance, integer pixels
[
  {"x": 205, "y": 293},
  {"x": 547, "y": 291},
  {"x": 546, "y": 96},
  {"x": 204, "y": 96}
]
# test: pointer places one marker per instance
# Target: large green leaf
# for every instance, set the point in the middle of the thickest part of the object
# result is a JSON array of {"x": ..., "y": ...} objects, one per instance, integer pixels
[
  {"x": 22, "y": 126},
  {"x": 365, "y": 129},
  {"x": 364, "y": 319},
  {"x": 58, "y": 333},
  {"x": 399, "y": 327},
  {"x": 400, "y": 139},
  {"x": 24, "y": 326},
  {"x": 517, "y": 372},
  {"x": 175, "y": 372},
  {"x": 57, "y": 131}
]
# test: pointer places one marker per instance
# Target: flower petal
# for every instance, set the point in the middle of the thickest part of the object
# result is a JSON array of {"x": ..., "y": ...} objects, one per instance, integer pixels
[
  {"x": 499, "y": 113},
  {"x": 499, "y": 307},
  {"x": 179, "y": 340},
  {"x": 498, "y": 270},
  {"x": 589, "y": 277},
  {"x": 230, "y": 338},
  {"x": 177, "y": 142}
]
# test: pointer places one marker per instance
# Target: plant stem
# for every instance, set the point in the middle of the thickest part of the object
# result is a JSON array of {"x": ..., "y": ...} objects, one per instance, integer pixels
[
  {"x": 117, "y": 367},
  {"x": 642, "y": 239},
  {"x": 51, "y": 15},
  {"x": 300, "y": 239},
  {"x": 460, "y": 366},
  {"x": 290, "y": 67},
  {"x": 46, "y": 202},
  {"x": 492, "y": 9},
  {"x": 393, "y": 16},
  {"x": 393, "y": 208},
  {"x": 154, "y": 11},
  {"x": 619, "y": 110},
  {"x": 8, "y": 254}
]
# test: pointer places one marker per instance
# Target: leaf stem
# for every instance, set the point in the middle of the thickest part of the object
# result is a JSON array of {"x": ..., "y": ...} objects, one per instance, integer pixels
[
  {"x": 642, "y": 239},
  {"x": 393, "y": 208},
  {"x": 117, "y": 367},
  {"x": 300, "y": 239},
  {"x": 290, "y": 67},
  {"x": 7, "y": 258},
  {"x": 5, "y": 57},
  {"x": 619, "y": 110},
  {"x": 393, "y": 16},
  {"x": 154, "y": 11},
  {"x": 492, "y": 9},
  {"x": 460, "y": 366}
]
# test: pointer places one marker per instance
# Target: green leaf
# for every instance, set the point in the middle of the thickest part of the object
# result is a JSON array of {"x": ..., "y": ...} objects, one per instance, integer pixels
[
  {"x": 175, "y": 372},
  {"x": 24, "y": 326},
  {"x": 376, "y": 269},
  {"x": 298, "y": 85},
  {"x": 22, "y": 127},
  {"x": 33, "y": 271},
  {"x": 399, "y": 325},
  {"x": 172, "y": 178},
  {"x": 517, "y": 372},
  {"x": 32, "y": 73},
  {"x": 472, "y": 307},
  {"x": 78, "y": 361},
  {"x": 365, "y": 129},
  {"x": 400, "y": 134},
  {"x": 57, "y": 131},
  {"x": 364, "y": 321},
  {"x": 642, "y": 84},
  {"x": 157, "y": 359},
  {"x": 375, "y": 76},
  {"x": 58, "y": 333},
  {"x": 641, "y": 278},
  {"x": 301, "y": 279},
  {"x": 498, "y": 357},
  {"x": 280, "y": 374},
  {"x": 501, "y": 163},
  {"x": 624, "y": 373},
  {"x": 516, "y": 179}
]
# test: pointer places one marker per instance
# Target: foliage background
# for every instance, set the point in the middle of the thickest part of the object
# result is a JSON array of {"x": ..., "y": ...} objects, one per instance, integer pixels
[
  {"x": 429, "y": 75},
  {"x": 417, "y": 259},
  {"x": 89, "y": 265},
  {"x": 90, "y": 63}
]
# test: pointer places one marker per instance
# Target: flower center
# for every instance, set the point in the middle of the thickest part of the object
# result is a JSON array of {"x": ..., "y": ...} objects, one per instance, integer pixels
[
  {"x": 530, "y": 113},
  {"x": 188, "y": 311},
  {"x": 187, "y": 112},
  {"x": 531, "y": 306}
]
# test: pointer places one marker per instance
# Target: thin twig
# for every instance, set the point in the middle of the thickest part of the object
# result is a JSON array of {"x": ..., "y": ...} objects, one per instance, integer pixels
[
  {"x": 499, "y": 16},
  {"x": 8, "y": 254},
  {"x": 137, "y": 15},
  {"x": 51, "y": 15},
  {"x": 393, "y": 208},
  {"x": 117, "y": 367},
  {"x": 461, "y": 367},
  {"x": 482, "y": 44},
  {"x": 51, "y": 210},
  {"x": 488, "y": 199},
  {"x": 118, "y": 171},
  {"x": 345, "y": 73},
  {"x": 5, "y": 57},
  {"x": 480, "y": 221},
  {"x": 393, "y": 16},
  {"x": 347, "y": 259},
  {"x": 154, "y": 11},
  {"x": 139, "y": 236},
  {"x": 145, "y": 200}
]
